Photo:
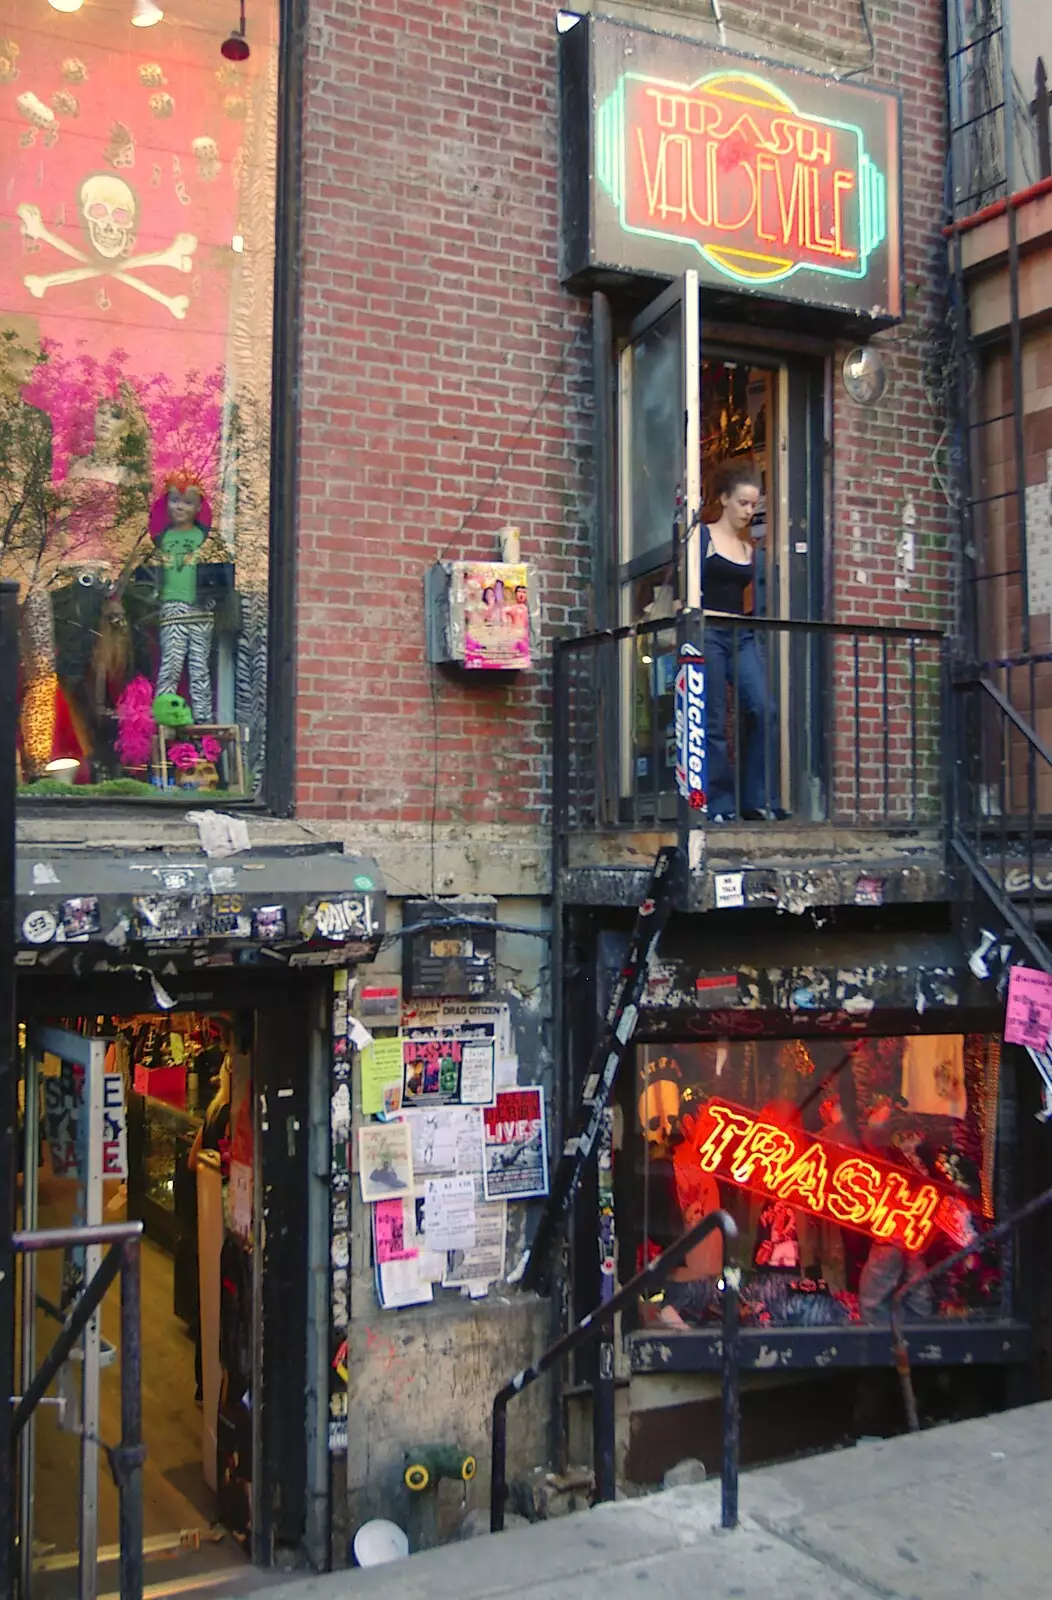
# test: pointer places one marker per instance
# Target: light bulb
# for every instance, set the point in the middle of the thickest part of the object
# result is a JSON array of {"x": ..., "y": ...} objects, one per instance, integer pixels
[
  {"x": 146, "y": 14},
  {"x": 67, "y": 7}
]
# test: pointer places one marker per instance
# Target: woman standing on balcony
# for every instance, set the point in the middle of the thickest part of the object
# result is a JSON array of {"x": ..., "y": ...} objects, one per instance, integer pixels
[{"x": 733, "y": 658}]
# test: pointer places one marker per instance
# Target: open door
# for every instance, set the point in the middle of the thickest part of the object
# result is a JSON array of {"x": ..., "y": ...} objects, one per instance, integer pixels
[
  {"x": 84, "y": 1123},
  {"x": 659, "y": 450}
]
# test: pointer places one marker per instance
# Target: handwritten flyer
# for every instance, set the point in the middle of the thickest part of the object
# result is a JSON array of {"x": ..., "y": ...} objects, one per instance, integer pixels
[{"x": 385, "y": 1160}]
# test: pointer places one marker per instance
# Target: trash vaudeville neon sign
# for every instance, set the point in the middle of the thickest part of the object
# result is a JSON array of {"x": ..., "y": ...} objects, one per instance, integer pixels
[
  {"x": 842, "y": 1185},
  {"x": 729, "y": 165}
]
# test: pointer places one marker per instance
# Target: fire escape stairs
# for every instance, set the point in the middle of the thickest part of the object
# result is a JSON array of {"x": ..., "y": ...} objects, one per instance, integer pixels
[{"x": 998, "y": 831}]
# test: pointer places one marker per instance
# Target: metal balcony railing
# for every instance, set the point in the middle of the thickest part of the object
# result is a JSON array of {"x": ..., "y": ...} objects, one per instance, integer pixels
[{"x": 827, "y": 722}]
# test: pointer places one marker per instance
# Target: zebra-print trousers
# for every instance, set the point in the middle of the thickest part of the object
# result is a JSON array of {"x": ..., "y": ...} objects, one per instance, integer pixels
[{"x": 186, "y": 635}]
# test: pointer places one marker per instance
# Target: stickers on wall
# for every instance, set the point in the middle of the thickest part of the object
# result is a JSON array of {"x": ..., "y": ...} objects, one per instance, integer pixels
[
  {"x": 729, "y": 890},
  {"x": 81, "y": 917},
  {"x": 39, "y": 926},
  {"x": 351, "y": 917},
  {"x": 869, "y": 891}
]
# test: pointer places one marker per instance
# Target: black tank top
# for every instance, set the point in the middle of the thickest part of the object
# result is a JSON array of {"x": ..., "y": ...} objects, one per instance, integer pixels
[{"x": 725, "y": 582}]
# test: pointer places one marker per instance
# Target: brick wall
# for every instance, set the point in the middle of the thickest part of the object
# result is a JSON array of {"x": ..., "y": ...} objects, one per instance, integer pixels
[{"x": 443, "y": 393}]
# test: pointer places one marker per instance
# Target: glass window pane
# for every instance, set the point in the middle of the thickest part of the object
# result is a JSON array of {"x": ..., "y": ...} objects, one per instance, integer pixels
[
  {"x": 806, "y": 1142},
  {"x": 655, "y": 446},
  {"x": 135, "y": 370}
]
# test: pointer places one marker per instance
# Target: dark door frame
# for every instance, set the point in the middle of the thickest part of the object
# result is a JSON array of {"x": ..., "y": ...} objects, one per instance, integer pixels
[{"x": 284, "y": 1007}]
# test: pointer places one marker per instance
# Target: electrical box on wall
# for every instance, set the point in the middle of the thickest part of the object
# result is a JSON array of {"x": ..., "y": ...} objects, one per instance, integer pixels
[
  {"x": 451, "y": 960},
  {"x": 481, "y": 615}
]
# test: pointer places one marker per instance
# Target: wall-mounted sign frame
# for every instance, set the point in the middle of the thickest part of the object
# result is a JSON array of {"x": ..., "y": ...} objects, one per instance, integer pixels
[{"x": 771, "y": 182}]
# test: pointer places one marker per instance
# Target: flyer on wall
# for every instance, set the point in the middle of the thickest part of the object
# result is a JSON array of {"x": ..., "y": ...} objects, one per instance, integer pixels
[
  {"x": 515, "y": 1154},
  {"x": 385, "y": 1160}
]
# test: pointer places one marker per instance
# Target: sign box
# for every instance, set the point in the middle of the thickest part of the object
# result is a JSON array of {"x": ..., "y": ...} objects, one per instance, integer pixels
[{"x": 770, "y": 181}]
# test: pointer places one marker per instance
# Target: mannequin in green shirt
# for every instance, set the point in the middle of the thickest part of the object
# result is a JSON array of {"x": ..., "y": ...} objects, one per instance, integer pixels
[{"x": 179, "y": 525}]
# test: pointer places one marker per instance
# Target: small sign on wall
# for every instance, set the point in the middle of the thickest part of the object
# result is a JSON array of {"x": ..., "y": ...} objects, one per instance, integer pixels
[{"x": 481, "y": 615}]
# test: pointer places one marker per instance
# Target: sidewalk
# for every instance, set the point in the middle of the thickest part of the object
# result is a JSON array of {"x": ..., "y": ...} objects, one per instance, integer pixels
[{"x": 956, "y": 1512}]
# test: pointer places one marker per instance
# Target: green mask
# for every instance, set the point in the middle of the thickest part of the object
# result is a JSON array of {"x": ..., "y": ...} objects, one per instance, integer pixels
[{"x": 171, "y": 711}]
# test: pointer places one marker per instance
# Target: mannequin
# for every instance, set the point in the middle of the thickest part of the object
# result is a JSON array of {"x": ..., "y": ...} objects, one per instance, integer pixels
[
  {"x": 113, "y": 424},
  {"x": 179, "y": 525}
]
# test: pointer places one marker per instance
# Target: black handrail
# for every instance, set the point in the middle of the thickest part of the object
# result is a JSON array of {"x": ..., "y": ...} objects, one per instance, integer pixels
[
  {"x": 640, "y": 630},
  {"x": 652, "y": 1276},
  {"x": 1009, "y": 710},
  {"x": 899, "y": 1345},
  {"x": 125, "y": 1459}
]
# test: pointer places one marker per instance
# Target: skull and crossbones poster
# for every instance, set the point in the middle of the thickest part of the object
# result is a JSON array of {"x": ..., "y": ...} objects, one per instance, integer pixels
[
  {"x": 109, "y": 209},
  {"x": 124, "y": 180}
]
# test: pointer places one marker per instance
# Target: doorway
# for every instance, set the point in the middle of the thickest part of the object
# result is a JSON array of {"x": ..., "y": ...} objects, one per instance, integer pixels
[
  {"x": 687, "y": 404},
  {"x": 146, "y": 1116}
]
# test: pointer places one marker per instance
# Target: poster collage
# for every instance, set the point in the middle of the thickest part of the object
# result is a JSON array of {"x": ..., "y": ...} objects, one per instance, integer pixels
[{"x": 445, "y": 1139}]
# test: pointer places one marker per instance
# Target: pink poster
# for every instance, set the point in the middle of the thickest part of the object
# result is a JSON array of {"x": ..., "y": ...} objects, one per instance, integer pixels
[
  {"x": 389, "y": 1229},
  {"x": 1028, "y": 1018}
]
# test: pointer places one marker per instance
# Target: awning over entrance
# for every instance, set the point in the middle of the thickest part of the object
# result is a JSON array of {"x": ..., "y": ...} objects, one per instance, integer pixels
[{"x": 85, "y": 909}]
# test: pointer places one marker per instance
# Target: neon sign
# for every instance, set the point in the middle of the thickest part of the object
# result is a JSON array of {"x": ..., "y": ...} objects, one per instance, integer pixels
[
  {"x": 839, "y": 1184},
  {"x": 765, "y": 179},
  {"x": 730, "y": 166}
]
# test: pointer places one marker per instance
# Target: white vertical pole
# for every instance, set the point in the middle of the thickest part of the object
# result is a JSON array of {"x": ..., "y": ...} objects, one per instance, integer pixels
[
  {"x": 26, "y": 1452},
  {"x": 692, "y": 407},
  {"x": 94, "y": 1126}
]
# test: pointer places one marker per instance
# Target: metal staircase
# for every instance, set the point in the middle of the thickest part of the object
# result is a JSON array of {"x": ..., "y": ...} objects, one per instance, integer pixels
[
  {"x": 1000, "y": 823},
  {"x": 1000, "y": 799}
]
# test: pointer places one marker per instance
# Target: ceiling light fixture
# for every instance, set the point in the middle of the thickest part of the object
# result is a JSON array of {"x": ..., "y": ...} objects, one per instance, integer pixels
[
  {"x": 146, "y": 14},
  {"x": 67, "y": 7},
  {"x": 235, "y": 47}
]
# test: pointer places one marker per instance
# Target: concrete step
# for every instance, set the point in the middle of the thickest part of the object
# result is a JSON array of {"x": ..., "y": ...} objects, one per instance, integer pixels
[{"x": 958, "y": 1511}]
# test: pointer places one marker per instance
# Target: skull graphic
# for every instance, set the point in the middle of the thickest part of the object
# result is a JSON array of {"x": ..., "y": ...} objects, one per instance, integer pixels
[
  {"x": 659, "y": 1106},
  {"x": 109, "y": 209},
  {"x": 206, "y": 152}
]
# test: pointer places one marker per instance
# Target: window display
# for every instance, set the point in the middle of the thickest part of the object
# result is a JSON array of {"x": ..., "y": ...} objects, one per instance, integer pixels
[
  {"x": 135, "y": 391},
  {"x": 849, "y": 1165}
]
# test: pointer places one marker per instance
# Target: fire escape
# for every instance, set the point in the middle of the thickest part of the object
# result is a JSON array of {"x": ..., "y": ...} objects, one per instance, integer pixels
[{"x": 999, "y": 238}]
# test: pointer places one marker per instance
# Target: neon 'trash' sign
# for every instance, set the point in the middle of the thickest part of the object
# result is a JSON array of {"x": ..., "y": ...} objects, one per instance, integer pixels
[
  {"x": 840, "y": 1184},
  {"x": 730, "y": 166}
]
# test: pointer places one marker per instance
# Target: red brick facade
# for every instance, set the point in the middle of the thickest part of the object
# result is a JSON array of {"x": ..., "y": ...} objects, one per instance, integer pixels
[{"x": 446, "y": 388}]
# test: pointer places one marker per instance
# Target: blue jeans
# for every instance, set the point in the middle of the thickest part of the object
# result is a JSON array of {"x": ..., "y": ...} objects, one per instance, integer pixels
[{"x": 733, "y": 654}]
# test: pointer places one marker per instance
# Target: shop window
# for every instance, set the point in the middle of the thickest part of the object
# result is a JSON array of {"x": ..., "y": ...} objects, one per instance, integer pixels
[
  {"x": 136, "y": 285},
  {"x": 850, "y": 1167}
]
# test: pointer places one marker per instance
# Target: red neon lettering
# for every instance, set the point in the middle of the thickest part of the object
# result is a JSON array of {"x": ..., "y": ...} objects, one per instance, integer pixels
[
  {"x": 904, "y": 1216},
  {"x": 856, "y": 1185},
  {"x": 827, "y": 1179},
  {"x": 843, "y": 183},
  {"x": 729, "y": 1125},
  {"x": 700, "y": 164},
  {"x": 806, "y": 1180},
  {"x": 766, "y": 1147}
]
